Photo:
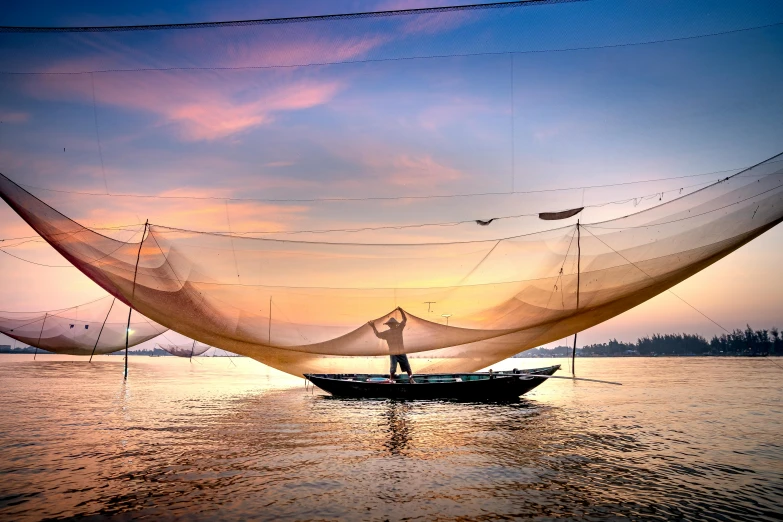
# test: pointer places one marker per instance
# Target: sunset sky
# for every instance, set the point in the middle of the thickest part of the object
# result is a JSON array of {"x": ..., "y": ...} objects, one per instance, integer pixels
[{"x": 225, "y": 123}]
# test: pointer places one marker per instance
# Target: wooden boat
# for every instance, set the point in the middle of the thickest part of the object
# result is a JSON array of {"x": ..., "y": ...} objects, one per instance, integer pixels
[{"x": 483, "y": 386}]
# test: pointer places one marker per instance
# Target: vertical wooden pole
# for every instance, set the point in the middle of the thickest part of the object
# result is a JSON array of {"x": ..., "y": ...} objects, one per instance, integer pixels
[
  {"x": 269, "y": 334},
  {"x": 133, "y": 295},
  {"x": 40, "y": 335},
  {"x": 578, "y": 276},
  {"x": 101, "y": 330}
]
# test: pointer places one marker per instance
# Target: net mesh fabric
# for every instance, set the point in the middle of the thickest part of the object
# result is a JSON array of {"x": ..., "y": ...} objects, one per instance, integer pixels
[
  {"x": 295, "y": 305},
  {"x": 193, "y": 349},
  {"x": 99, "y": 325}
]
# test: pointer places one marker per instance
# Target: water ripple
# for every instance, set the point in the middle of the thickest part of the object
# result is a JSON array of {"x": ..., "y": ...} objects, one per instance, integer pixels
[{"x": 213, "y": 440}]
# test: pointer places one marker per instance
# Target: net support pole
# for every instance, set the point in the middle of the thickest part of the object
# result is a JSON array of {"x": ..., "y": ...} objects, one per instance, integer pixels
[
  {"x": 269, "y": 333},
  {"x": 191, "y": 351},
  {"x": 133, "y": 295},
  {"x": 101, "y": 330},
  {"x": 40, "y": 335},
  {"x": 578, "y": 274}
]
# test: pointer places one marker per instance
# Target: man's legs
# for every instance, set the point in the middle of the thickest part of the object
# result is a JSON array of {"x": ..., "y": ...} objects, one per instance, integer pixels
[
  {"x": 405, "y": 365},
  {"x": 393, "y": 366}
]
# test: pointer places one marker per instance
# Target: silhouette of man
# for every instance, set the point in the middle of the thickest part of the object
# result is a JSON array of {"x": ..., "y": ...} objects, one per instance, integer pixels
[{"x": 393, "y": 338}]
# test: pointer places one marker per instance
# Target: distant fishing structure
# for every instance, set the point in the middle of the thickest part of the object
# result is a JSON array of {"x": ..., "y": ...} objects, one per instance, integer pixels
[{"x": 95, "y": 327}]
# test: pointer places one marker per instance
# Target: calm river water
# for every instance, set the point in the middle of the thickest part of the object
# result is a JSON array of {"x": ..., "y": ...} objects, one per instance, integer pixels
[{"x": 684, "y": 438}]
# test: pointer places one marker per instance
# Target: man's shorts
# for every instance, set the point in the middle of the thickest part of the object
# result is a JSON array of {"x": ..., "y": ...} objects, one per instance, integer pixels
[{"x": 404, "y": 364}]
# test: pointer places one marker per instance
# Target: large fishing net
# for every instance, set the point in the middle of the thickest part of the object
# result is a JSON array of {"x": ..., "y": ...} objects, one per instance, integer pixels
[
  {"x": 287, "y": 302},
  {"x": 98, "y": 327},
  {"x": 442, "y": 234}
]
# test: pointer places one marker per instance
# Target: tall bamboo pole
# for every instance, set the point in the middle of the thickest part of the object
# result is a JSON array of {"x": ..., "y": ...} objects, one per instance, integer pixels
[
  {"x": 40, "y": 335},
  {"x": 578, "y": 276},
  {"x": 133, "y": 295},
  {"x": 101, "y": 330}
]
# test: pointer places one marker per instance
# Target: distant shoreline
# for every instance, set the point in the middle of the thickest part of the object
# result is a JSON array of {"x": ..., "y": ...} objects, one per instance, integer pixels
[
  {"x": 739, "y": 343},
  {"x": 731, "y": 356},
  {"x": 662, "y": 356}
]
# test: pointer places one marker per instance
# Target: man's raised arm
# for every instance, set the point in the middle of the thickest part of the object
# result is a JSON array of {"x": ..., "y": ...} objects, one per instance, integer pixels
[
  {"x": 404, "y": 317},
  {"x": 372, "y": 324}
]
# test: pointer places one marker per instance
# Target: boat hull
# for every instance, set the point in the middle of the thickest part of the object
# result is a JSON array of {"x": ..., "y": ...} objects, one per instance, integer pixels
[{"x": 498, "y": 386}]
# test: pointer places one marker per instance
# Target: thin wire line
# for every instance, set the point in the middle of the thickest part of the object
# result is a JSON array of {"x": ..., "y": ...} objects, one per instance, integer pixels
[
  {"x": 513, "y": 141},
  {"x": 450, "y": 223},
  {"x": 560, "y": 274},
  {"x": 770, "y": 160},
  {"x": 387, "y": 227},
  {"x": 282, "y": 20},
  {"x": 228, "y": 220},
  {"x": 507, "y": 282},
  {"x": 652, "y": 278},
  {"x": 399, "y": 59},
  {"x": 90, "y": 262},
  {"x": 476, "y": 267},
  {"x": 741, "y": 173},
  {"x": 97, "y": 134},
  {"x": 54, "y": 234},
  {"x": 166, "y": 259},
  {"x": 95, "y": 347},
  {"x": 35, "y": 263},
  {"x": 420, "y": 225},
  {"x": 81, "y": 228},
  {"x": 26, "y": 324},
  {"x": 38, "y": 240},
  {"x": 161, "y": 334},
  {"x": 164, "y": 228},
  {"x": 470, "y": 221},
  {"x": 686, "y": 217},
  {"x": 387, "y": 198},
  {"x": 58, "y": 310},
  {"x": 39, "y": 337},
  {"x": 285, "y": 316},
  {"x": 487, "y": 240}
]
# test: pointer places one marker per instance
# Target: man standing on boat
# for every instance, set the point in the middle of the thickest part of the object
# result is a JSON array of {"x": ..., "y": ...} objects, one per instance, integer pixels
[{"x": 393, "y": 338}]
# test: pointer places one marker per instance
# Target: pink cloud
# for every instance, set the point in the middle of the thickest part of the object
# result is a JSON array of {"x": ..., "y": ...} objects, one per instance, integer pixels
[
  {"x": 455, "y": 111},
  {"x": 275, "y": 164},
  {"x": 201, "y": 106},
  {"x": 428, "y": 23},
  {"x": 207, "y": 105},
  {"x": 14, "y": 117},
  {"x": 411, "y": 171},
  {"x": 301, "y": 45},
  {"x": 421, "y": 171},
  {"x": 206, "y": 214},
  {"x": 554, "y": 130},
  {"x": 307, "y": 48}
]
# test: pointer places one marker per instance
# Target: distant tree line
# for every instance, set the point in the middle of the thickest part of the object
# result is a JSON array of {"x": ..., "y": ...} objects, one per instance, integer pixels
[
  {"x": 5, "y": 348},
  {"x": 156, "y": 352},
  {"x": 747, "y": 342}
]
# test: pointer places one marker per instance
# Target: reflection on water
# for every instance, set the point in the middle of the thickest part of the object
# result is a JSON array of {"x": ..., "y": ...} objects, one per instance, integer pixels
[
  {"x": 684, "y": 438},
  {"x": 397, "y": 418}
]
